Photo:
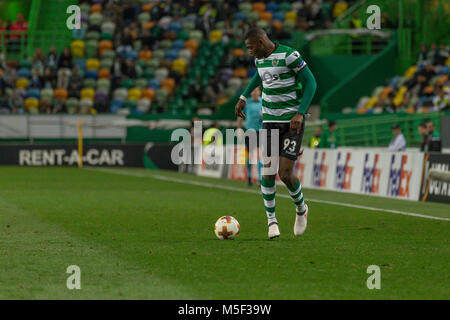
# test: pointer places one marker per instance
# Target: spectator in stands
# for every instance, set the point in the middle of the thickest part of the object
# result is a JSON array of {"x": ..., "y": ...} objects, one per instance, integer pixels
[
  {"x": 49, "y": 79},
  {"x": 58, "y": 106},
  {"x": 356, "y": 23},
  {"x": 36, "y": 80},
  {"x": 129, "y": 13},
  {"x": 398, "y": 142},
  {"x": 19, "y": 27},
  {"x": 74, "y": 91},
  {"x": 129, "y": 69},
  {"x": 423, "y": 132},
  {"x": 76, "y": 78},
  {"x": 4, "y": 105},
  {"x": 52, "y": 59},
  {"x": 328, "y": 138},
  {"x": 38, "y": 61},
  {"x": 16, "y": 103},
  {"x": 434, "y": 139},
  {"x": 442, "y": 55},
  {"x": 423, "y": 53},
  {"x": 10, "y": 76},
  {"x": 442, "y": 100},
  {"x": 432, "y": 53},
  {"x": 315, "y": 139},
  {"x": 64, "y": 68},
  {"x": 213, "y": 91}
]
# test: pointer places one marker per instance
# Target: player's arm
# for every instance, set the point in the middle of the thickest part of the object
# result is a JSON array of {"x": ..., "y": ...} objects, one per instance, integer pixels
[
  {"x": 240, "y": 105},
  {"x": 304, "y": 76}
]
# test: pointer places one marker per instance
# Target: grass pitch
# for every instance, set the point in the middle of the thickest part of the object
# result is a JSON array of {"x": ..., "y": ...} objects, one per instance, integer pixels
[{"x": 135, "y": 236}]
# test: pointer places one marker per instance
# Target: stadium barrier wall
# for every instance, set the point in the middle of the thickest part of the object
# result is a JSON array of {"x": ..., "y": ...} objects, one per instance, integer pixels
[
  {"x": 369, "y": 171},
  {"x": 153, "y": 156},
  {"x": 432, "y": 189}
]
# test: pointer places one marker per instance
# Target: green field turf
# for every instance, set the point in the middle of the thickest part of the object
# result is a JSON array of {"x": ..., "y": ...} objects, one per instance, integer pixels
[{"x": 135, "y": 236}]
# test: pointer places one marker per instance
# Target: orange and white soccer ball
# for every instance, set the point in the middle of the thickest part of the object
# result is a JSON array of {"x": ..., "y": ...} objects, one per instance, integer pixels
[{"x": 226, "y": 228}]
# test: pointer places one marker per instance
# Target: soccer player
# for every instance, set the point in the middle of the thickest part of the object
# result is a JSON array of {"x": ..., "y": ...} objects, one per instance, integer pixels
[
  {"x": 253, "y": 121},
  {"x": 288, "y": 87}
]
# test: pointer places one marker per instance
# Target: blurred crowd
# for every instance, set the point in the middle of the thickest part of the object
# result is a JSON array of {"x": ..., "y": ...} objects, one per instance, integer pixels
[{"x": 127, "y": 38}]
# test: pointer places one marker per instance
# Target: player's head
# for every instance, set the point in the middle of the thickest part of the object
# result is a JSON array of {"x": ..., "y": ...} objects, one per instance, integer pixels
[
  {"x": 318, "y": 131},
  {"x": 422, "y": 128},
  {"x": 256, "y": 94},
  {"x": 257, "y": 42},
  {"x": 430, "y": 126},
  {"x": 332, "y": 126},
  {"x": 396, "y": 129}
]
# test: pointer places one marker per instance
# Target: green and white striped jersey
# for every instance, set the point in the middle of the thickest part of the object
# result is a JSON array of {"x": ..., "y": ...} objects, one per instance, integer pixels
[{"x": 281, "y": 93}]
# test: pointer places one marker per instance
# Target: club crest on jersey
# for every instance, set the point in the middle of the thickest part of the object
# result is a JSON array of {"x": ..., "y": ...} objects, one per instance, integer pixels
[{"x": 275, "y": 62}]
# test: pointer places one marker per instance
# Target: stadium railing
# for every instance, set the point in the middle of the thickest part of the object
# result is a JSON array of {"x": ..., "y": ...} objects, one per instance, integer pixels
[{"x": 376, "y": 130}]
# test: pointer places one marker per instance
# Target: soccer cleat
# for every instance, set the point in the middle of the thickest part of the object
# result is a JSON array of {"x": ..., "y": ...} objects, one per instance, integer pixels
[
  {"x": 274, "y": 232},
  {"x": 301, "y": 222}
]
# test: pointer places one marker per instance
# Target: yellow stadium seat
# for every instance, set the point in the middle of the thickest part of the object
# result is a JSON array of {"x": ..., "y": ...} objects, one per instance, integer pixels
[
  {"x": 215, "y": 35},
  {"x": 410, "y": 72},
  {"x": 371, "y": 103},
  {"x": 31, "y": 103},
  {"x": 134, "y": 94},
  {"x": 77, "y": 48},
  {"x": 87, "y": 93},
  {"x": 290, "y": 16},
  {"x": 22, "y": 83},
  {"x": 92, "y": 64}
]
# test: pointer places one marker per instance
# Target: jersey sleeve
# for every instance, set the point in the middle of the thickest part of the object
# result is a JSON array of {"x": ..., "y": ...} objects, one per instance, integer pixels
[{"x": 294, "y": 61}]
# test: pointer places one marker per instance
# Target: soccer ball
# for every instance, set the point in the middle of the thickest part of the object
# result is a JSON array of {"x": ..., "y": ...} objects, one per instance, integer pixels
[{"x": 226, "y": 228}]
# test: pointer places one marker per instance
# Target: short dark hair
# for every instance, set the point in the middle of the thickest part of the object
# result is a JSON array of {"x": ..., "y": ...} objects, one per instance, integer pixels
[
  {"x": 422, "y": 125},
  {"x": 255, "y": 33},
  {"x": 331, "y": 123}
]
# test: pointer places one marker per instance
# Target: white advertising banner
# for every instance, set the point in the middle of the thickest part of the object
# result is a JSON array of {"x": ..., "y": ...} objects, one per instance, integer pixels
[{"x": 382, "y": 173}]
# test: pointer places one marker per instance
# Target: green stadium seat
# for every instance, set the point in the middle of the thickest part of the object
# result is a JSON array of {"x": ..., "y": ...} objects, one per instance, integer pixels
[
  {"x": 153, "y": 63},
  {"x": 127, "y": 83},
  {"x": 106, "y": 63},
  {"x": 89, "y": 83},
  {"x": 245, "y": 7},
  {"x": 284, "y": 6},
  {"x": 158, "y": 54},
  {"x": 141, "y": 83},
  {"x": 108, "y": 54},
  {"x": 92, "y": 35},
  {"x": 104, "y": 84},
  {"x": 144, "y": 17},
  {"x": 95, "y": 19}
]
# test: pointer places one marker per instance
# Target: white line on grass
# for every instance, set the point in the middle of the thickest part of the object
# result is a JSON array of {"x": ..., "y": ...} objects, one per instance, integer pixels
[{"x": 211, "y": 185}]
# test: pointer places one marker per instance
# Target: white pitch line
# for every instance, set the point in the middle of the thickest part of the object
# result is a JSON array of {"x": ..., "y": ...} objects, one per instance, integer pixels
[{"x": 211, "y": 185}]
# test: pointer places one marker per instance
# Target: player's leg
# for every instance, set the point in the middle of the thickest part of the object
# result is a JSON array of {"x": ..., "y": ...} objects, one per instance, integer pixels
[
  {"x": 268, "y": 188},
  {"x": 291, "y": 143}
]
